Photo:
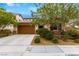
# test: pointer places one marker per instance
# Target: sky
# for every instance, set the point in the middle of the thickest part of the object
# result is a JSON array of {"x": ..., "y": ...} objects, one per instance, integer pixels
[{"x": 20, "y": 8}]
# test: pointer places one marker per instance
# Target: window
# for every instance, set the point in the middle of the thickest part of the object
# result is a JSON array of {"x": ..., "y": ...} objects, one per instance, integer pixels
[
  {"x": 40, "y": 26},
  {"x": 53, "y": 27}
]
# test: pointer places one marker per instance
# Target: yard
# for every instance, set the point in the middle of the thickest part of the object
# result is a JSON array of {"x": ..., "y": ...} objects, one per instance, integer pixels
[
  {"x": 63, "y": 24},
  {"x": 46, "y": 37},
  {"x": 61, "y": 42}
]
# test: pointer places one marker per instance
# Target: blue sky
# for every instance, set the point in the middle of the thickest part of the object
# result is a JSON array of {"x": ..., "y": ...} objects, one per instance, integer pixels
[{"x": 22, "y": 8}]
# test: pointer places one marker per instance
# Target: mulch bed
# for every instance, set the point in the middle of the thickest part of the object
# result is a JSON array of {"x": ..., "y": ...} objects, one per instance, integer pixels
[{"x": 61, "y": 42}]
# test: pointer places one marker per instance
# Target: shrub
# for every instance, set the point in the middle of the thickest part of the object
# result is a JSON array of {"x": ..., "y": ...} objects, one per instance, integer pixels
[
  {"x": 64, "y": 35},
  {"x": 76, "y": 40},
  {"x": 6, "y": 32},
  {"x": 3, "y": 35},
  {"x": 73, "y": 34},
  {"x": 45, "y": 33},
  {"x": 55, "y": 40},
  {"x": 62, "y": 32},
  {"x": 37, "y": 39}
]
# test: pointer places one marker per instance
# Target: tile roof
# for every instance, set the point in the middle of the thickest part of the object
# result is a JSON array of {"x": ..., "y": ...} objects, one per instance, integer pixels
[{"x": 22, "y": 20}]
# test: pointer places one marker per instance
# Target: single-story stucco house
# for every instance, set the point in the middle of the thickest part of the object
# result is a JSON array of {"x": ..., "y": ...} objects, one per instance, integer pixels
[{"x": 25, "y": 28}]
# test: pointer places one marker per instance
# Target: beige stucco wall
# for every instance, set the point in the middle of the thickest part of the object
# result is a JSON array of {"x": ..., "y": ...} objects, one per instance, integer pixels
[
  {"x": 19, "y": 18},
  {"x": 47, "y": 26},
  {"x": 10, "y": 27}
]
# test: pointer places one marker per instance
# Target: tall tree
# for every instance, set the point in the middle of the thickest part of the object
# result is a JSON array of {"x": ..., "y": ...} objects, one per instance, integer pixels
[
  {"x": 2, "y": 9},
  {"x": 53, "y": 13},
  {"x": 6, "y": 18}
]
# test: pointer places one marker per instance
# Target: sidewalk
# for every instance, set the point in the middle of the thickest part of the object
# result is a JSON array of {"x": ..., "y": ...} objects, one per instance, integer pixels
[
  {"x": 70, "y": 50},
  {"x": 53, "y": 50},
  {"x": 46, "y": 50}
]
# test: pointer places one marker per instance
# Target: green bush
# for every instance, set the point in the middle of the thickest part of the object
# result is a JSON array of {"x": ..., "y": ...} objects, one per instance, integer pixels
[
  {"x": 6, "y": 32},
  {"x": 55, "y": 40},
  {"x": 70, "y": 34},
  {"x": 3, "y": 35},
  {"x": 64, "y": 35},
  {"x": 73, "y": 34},
  {"x": 45, "y": 33},
  {"x": 76, "y": 40},
  {"x": 62, "y": 32},
  {"x": 37, "y": 39}
]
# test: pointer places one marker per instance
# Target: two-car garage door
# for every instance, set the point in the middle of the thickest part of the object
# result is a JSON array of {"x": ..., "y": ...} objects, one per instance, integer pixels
[{"x": 25, "y": 29}]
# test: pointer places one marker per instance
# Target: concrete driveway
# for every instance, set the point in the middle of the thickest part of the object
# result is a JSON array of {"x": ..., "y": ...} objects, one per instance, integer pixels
[
  {"x": 15, "y": 44},
  {"x": 16, "y": 40}
]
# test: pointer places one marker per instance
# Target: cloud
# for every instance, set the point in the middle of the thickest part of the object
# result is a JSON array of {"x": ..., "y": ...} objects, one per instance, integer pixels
[{"x": 10, "y": 4}]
